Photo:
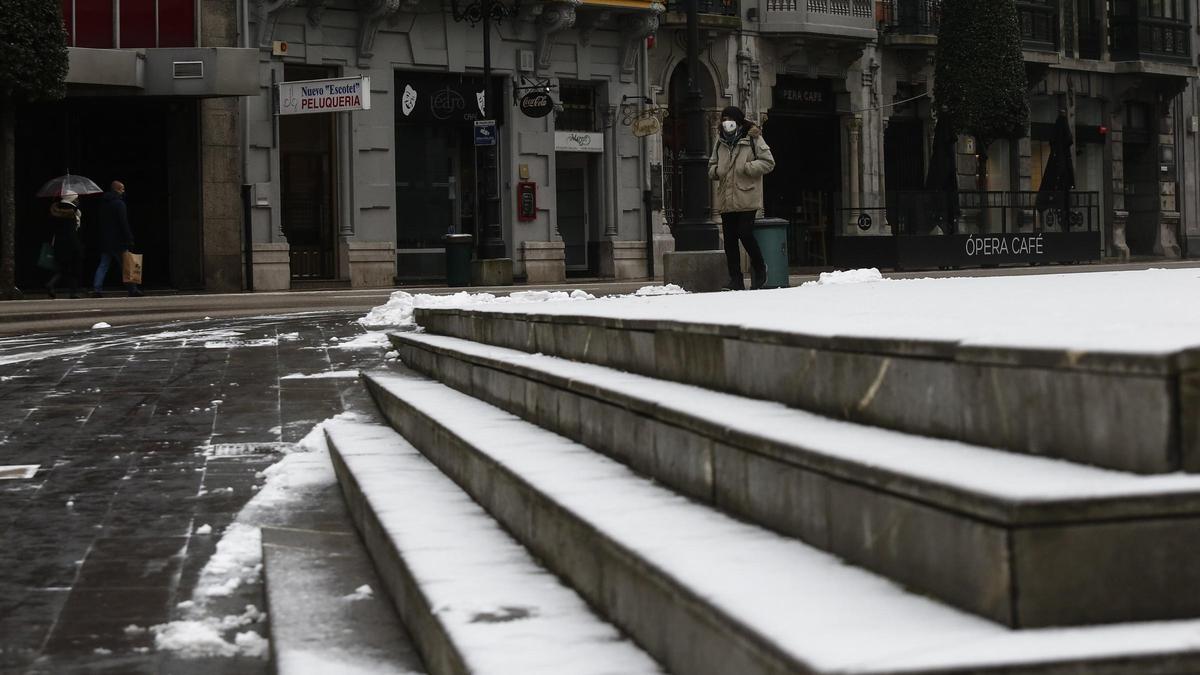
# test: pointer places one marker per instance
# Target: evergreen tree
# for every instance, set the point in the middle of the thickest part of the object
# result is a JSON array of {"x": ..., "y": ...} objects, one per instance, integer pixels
[
  {"x": 980, "y": 84},
  {"x": 33, "y": 66}
]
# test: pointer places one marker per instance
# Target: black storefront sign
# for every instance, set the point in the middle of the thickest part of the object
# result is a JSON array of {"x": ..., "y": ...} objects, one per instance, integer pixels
[
  {"x": 803, "y": 95},
  {"x": 967, "y": 250},
  {"x": 434, "y": 97}
]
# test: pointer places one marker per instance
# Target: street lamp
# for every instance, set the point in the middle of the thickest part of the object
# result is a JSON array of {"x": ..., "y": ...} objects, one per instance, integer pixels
[
  {"x": 695, "y": 232},
  {"x": 486, "y": 174}
]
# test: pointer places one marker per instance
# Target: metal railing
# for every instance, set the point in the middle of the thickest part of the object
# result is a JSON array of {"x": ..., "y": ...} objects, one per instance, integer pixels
[
  {"x": 911, "y": 17},
  {"x": 925, "y": 212}
]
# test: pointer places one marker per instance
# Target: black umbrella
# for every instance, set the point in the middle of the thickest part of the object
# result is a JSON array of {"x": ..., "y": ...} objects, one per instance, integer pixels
[
  {"x": 942, "y": 179},
  {"x": 1059, "y": 178}
]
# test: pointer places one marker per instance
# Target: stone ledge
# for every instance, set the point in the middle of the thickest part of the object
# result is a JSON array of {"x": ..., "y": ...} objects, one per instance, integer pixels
[
  {"x": 1119, "y": 411},
  {"x": 959, "y": 546}
]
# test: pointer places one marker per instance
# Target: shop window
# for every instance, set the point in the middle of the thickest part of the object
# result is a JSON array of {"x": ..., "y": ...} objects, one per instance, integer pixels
[
  {"x": 142, "y": 23},
  {"x": 578, "y": 108}
]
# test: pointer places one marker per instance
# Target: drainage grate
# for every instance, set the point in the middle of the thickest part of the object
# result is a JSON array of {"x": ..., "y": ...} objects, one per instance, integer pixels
[
  {"x": 246, "y": 449},
  {"x": 18, "y": 471}
]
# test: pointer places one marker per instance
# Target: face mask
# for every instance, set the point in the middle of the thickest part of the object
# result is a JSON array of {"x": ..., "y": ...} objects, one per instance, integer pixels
[{"x": 729, "y": 126}]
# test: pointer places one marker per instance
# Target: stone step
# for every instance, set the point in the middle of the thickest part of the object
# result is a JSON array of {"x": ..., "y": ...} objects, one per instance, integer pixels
[
  {"x": 473, "y": 599},
  {"x": 709, "y": 595},
  {"x": 322, "y": 619},
  {"x": 1024, "y": 541},
  {"x": 1131, "y": 412}
]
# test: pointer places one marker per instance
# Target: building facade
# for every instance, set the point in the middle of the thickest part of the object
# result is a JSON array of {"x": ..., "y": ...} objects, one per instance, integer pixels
[
  {"x": 843, "y": 89},
  {"x": 365, "y": 197},
  {"x": 151, "y": 96}
]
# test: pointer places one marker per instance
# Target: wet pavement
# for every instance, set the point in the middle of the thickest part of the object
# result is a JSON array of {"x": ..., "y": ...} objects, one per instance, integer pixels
[{"x": 141, "y": 436}]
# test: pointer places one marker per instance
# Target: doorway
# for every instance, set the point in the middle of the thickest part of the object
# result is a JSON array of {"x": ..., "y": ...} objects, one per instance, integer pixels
[
  {"x": 577, "y": 202},
  {"x": 308, "y": 185},
  {"x": 805, "y": 182},
  {"x": 153, "y": 146}
]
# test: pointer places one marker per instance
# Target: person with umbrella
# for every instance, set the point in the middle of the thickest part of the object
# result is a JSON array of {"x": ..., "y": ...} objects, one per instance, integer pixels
[
  {"x": 115, "y": 237},
  {"x": 65, "y": 219}
]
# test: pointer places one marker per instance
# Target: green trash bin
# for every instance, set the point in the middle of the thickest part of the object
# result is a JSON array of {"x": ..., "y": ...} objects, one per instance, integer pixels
[
  {"x": 459, "y": 248},
  {"x": 771, "y": 234}
]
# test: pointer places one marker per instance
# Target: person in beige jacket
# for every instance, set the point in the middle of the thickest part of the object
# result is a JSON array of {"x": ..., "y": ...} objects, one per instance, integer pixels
[{"x": 740, "y": 158}]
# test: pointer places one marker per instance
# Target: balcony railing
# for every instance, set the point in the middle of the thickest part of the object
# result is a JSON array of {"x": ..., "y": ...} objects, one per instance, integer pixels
[
  {"x": 911, "y": 17},
  {"x": 1039, "y": 24},
  {"x": 1138, "y": 37},
  {"x": 843, "y": 18}
]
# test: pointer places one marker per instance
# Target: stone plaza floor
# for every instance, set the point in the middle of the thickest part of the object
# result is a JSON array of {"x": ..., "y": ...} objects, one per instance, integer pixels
[{"x": 141, "y": 436}]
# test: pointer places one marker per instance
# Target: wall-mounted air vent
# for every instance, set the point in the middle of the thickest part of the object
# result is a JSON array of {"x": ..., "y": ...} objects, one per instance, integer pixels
[{"x": 186, "y": 70}]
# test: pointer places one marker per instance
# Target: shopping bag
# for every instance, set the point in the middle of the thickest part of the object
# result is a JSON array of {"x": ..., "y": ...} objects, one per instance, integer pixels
[
  {"x": 131, "y": 268},
  {"x": 46, "y": 259}
]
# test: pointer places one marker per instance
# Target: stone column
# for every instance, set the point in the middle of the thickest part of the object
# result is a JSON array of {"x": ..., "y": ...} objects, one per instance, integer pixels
[
  {"x": 220, "y": 157},
  {"x": 854, "y": 159},
  {"x": 1120, "y": 215}
]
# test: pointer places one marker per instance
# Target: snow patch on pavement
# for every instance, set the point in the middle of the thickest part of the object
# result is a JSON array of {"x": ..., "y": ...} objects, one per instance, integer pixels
[
  {"x": 363, "y": 592},
  {"x": 847, "y": 277},
  {"x": 238, "y": 560},
  {"x": 398, "y": 311},
  {"x": 331, "y": 374},
  {"x": 101, "y": 324},
  {"x": 368, "y": 340}
]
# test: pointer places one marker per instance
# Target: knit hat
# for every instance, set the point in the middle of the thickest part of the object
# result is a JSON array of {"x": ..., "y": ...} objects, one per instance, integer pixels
[{"x": 734, "y": 113}]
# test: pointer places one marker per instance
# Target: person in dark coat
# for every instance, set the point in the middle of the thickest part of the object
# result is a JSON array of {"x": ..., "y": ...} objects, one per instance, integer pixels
[
  {"x": 115, "y": 237},
  {"x": 64, "y": 239}
]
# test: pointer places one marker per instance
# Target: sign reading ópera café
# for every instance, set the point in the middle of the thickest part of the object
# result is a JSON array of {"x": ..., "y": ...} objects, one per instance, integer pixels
[{"x": 340, "y": 94}]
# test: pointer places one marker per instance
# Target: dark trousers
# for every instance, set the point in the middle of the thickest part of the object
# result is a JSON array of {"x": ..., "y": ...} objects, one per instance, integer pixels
[{"x": 737, "y": 227}]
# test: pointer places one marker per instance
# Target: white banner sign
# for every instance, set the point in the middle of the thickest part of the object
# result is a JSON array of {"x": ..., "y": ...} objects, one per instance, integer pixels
[
  {"x": 340, "y": 94},
  {"x": 578, "y": 141}
]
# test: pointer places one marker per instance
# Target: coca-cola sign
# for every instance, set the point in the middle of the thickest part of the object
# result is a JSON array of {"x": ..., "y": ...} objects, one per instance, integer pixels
[{"x": 536, "y": 104}]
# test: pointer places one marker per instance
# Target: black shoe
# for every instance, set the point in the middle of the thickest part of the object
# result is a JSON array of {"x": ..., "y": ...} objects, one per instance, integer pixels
[
  {"x": 734, "y": 284},
  {"x": 51, "y": 293},
  {"x": 95, "y": 294},
  {"x": 135, "y": 293},
  {"x": 758, "y": 279}
]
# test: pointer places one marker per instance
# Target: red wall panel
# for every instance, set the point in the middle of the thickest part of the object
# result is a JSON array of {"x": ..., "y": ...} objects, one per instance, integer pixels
[
  {"x": 176, "y": 23},
  {"x": 138, "y": 24},
  {"x": 93, "y": 23},
  {"x": 67, "y": 21}
]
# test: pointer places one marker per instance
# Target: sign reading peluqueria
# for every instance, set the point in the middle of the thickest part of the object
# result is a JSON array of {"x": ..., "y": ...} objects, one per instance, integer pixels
[{"x": 340, "y": 94}]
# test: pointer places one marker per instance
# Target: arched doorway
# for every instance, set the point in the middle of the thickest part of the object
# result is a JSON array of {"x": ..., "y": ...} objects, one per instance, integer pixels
[{"x": 675, "y": 134}]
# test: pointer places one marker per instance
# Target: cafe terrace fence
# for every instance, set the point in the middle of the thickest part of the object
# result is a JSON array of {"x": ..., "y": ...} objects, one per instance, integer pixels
[{"x": 928, "y": 230}]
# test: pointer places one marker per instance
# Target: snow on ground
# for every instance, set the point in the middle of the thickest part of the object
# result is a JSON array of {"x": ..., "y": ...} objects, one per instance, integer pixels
[
  {"x": 1149, "y": 312},
  {"x": 398, "y": 310},
  {"x": 238, "y": 560},
  {"x": 323, "y": 375}
]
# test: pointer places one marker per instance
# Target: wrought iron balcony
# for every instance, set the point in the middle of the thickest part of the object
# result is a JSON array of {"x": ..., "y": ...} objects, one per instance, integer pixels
[
  {"x": 712, "y": 14},
  {"x": 853, "y": 19},
  {"x": 1039, "y": 24},
  {"x": 1135, "y": 35},
  {"x": 910, "y": 17}
]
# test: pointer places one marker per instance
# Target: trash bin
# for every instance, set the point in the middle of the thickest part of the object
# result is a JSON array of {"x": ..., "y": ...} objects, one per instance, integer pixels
[
  {"x": 771, "y": 234},
  {"x": 458, "y": 258}
]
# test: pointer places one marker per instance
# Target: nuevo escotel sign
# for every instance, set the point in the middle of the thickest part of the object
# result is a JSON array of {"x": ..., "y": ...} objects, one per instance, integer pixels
[{"x": 340, "y": 94}]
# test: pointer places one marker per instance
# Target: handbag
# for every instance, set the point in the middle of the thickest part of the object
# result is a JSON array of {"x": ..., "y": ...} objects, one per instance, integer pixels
[
  {"x": 46, "y": 259},
  {"x": 131, "y": 268}
]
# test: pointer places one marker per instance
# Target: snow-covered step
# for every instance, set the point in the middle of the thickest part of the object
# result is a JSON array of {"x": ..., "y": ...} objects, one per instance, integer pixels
[
  {"x": 328, "y": 611},
  {"x": 473, "y": 599},
  {"x": 709, "y": 595},
  {"x": 1026, "y": 541},
  {"x": 1135, "y": 412}
]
